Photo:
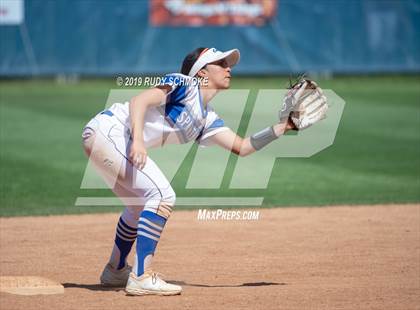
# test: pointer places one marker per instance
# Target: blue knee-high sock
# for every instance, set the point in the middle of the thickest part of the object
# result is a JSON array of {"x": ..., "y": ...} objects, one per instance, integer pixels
[
  {"x": 124, "y": 239},
  {"x": 148, "y": 233}
]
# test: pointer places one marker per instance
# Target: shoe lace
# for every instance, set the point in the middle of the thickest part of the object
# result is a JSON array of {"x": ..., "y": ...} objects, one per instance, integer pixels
[{"x": 156, "y": 276}]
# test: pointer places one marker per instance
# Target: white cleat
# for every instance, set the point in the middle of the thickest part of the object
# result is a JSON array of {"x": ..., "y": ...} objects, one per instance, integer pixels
[
  {"x": 149, "y": 283},
  {"x": 113, "y": 277}
]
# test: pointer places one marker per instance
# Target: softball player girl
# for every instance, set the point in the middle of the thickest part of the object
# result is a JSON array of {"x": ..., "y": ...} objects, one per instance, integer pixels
[{"x": 117, "y": 140}]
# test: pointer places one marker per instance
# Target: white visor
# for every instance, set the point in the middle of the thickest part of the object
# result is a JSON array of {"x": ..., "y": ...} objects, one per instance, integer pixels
[{"x": 212, "y": 55}]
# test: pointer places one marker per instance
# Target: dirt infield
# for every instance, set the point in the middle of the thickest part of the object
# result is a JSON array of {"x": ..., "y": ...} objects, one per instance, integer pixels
[{"x": 365, "y": 257}]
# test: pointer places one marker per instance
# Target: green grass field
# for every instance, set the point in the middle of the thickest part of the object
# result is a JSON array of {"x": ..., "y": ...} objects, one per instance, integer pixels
[{"x": 375, "y": 157}]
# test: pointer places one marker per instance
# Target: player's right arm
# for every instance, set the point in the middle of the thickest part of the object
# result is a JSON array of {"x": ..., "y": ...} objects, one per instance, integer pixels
[{"x": 138, "y": 107}]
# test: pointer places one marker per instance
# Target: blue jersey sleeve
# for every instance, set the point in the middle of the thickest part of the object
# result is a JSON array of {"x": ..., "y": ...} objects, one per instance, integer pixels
[{"x": 214, "y": 124}]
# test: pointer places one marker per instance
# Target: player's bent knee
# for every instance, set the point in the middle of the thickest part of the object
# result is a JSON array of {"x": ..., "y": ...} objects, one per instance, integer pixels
[
  {"x": 167, "y": 203},
  {"x": 169, "y": 196},
  {"x": 88, "y": 139}
]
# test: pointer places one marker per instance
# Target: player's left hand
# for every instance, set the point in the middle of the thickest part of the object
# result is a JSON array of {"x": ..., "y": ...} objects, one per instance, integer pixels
[
  {"x": 292, "y": 99},
  {"x": 311, "y": 107},
  {"x": 304, "y": 104}
]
